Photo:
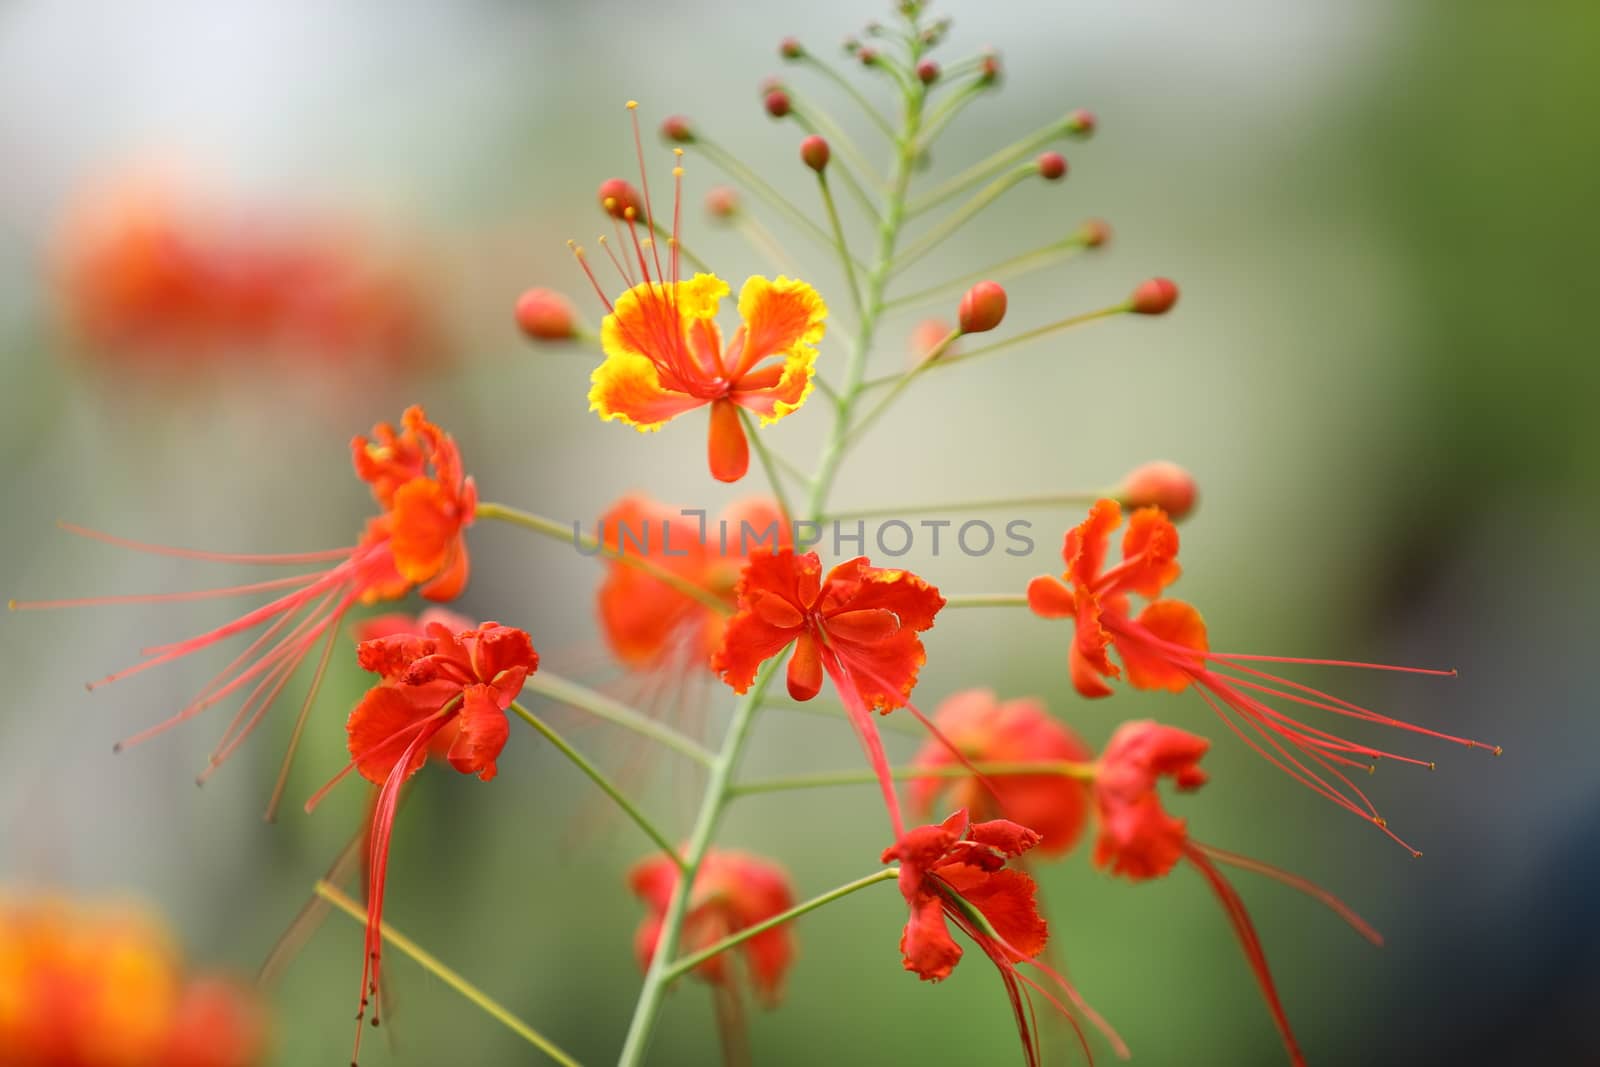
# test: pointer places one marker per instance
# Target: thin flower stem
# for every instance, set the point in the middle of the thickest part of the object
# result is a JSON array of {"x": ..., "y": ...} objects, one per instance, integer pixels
[
  {"x": 663, "y": 231},
  {"x": 850, "y": 89},
  {"x": 1082, "y": 772},
  {"x": 818, "y": 122},
  {"x": 690, "y": 962},
  {"x": 570, "y": 534},
  {"x": 602, "y": 707},
  {"x": 985, "y": 168},
  {"x": 758, "y": 185},
  {"x": 1039, "y": 500},
  {"x": 828, "y": 710},
  {"x": 1009, "y": 342},
  {"x": 986, "y": 600},
  {"x": 716, "y": 798},
  {"x": 761, "y": 239},
  {"x": 952, "y": 106},
  {"x": 963, "y": 215},
  {"x": 607, "y": 786},
  {"x": 449, "y": 977},
  {"x": 1049, "y": 255},
  {"x": 876, "y": 412},
  {"x": 839, "y": 242},
  {"x": 767, "y": 463},
  {"x": 872, "y": 300}
]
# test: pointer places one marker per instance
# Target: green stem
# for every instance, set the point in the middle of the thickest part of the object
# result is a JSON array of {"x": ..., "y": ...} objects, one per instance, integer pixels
[
  {"x": 1010, "y": 342},
  {"x": 767, "y": 463},
  {"x": 986, "y": 600},
  {"x": 762, "y": 188},
  {"x": 984, "y": 168},
  {"x": 872, "y": 302},
  {"x": 952, "y": 106},
  {"x": 717, "y": 794},
  {"x": 1040, "y": 257},
  {"x": 607, "y": 786},
  {"x": 570, "y": 534},
  {"x": 838, "y": 239},
  {"x": 690, "y": 962},
  {"x": 964, "y": 214},
  {"x": 1083, "y": 772},
  {"x": 665, "y": 233},
  {"x": 603, "y": 707},
  {"x": 449, "y": 977},
  {"x": 850, "y": 89},
  {"x": 1039, "y": 500},
  {"x": 876, "y": 412}
]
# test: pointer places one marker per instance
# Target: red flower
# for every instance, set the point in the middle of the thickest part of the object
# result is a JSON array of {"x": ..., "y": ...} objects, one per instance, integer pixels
[
  {"x": 647, "y": 622},
  {"x": 417, "y": 538},
  {"x": 982, "y": 729},
  {"x": 1165, "y": 647},
  {"x": 858, "y": 624},
  {"x": 442, "y": 681},
  {"x": 732, "y": 891},
  {"x": 955, "y": 872},
  {"x": 665, "y": 354},
  {"x": 1139, "y": 840}
]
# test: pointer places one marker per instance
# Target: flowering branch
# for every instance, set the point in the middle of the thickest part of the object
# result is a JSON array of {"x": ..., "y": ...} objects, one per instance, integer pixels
[
  {"x": 598, "y": 777},
  {"x": 1080, "y": 771},
  {"x": 449, "y": 977},
  {"x": 603, "y": 707},
  {"x": 693, "y": 960}
]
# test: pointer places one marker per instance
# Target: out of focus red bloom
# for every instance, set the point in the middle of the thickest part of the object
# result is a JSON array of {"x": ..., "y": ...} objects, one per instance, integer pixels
[
  {"x": 955, "y": 872},
  {"x": 732, "y": 891},
  {"x": 103, "y": 986},
  {"x": 1138, "y": 839},
  {"x": 983, "y": 729},
  {"x": 462, "y": 682},
  {"x": 858, "y": 624},
  {"x": 1165, "y": 647},
  {"x": 649, "y": 624},
  {"x": 148, "y": 275},
  {"x": 416, "y": 540}
]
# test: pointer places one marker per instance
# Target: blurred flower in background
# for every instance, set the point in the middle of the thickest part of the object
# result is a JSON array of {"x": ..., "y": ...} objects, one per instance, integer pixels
[{"x": 99, "y": 984}]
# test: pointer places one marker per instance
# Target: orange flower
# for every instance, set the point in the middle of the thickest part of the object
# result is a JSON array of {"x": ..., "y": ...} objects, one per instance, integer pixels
[
  {"x": 859, "y": 625},
  {"x": 665, "y": 354},
  {"x": 459, "y": 681},
  {"x": 647, "y": 622},
  {"x": 417, "y": 539},
  {"x": 955, "y": 872},
  {"x": 732, "y": 891},
  {"x": 1166, "y": 647},
  {"x": 103, "y": 986},
  {"x": 980, "y": 728},
  {"x": 1139, "y": 840}
]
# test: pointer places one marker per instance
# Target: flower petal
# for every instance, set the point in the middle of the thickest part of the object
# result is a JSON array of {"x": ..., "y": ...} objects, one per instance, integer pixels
[
  {"x": 781, "y": 317},
  {"x": 926, "y": 946},
  {"x": 382, "y": 727},
  {"x": 424, "y": 530},
  {"x": 773, "y": 391},
  {"x": 482, "y": 734},
  {"x": 1153, "y": 667},
  {"x": 727, "y": 448},
  {"x": 805, "y": 669},
  {"x": 1049, "y": 598}
]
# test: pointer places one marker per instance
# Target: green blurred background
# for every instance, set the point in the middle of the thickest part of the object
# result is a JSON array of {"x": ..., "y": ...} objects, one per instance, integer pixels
[{"x": 1382, "y": 371}]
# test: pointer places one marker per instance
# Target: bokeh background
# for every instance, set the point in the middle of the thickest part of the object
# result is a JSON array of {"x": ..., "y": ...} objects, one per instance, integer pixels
[{"x": 1382, "y": 371}]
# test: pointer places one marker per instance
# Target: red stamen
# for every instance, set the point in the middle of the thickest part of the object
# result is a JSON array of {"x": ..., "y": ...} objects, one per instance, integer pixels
[{"x": 164, "y": 598}]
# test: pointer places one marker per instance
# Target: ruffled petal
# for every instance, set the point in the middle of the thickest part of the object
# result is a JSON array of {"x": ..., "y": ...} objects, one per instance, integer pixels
[
  {"x": 773, "y": 391},
  {"x": 381, "y": 729},
  {"x": 425, "y": 528},
  {"x": 781, "y": 317},
  {"x": 1084, "y": 547},
  {"x": 926, "y": 946},
  {"x": 482, "y": 732},
  {"x": 750, "y": 638},
  {"x": 1008, "y": 899},
  {"x": 1152, "y": 541},
  {"x": 628, "y": 388},
  {"x": 1154, "y": 667}
]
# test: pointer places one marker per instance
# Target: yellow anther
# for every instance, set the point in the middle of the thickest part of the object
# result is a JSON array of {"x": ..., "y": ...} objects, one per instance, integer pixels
[
  {"x": 678, "y": 152},
  {"x": 1498, "y": 750},
  {"x": 677, "y": 172},
  {"x": 630, "y": 212},
  {"x": 1379, "y": 820},
  {"x": 633, "y": 105}
]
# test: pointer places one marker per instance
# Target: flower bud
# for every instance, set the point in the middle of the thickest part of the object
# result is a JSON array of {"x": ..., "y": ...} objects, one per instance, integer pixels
[
  {"x": 617, "y": 196},
  {"x": 989, "y": 68},
  {"x": 815, "y": 153},
  {"x": 851, "y": 46},
  {"x": 982, "y": 308},
  {"x": 676, "y": 128},
  {"x": 777, "y": 103},
  {"x": 925, "y": 338},
  {"x": 927, "y": 72},
  {"x": 722, "y": 202},
  {"x": 546, "y": 315},
  {"x": 1160, "y": 484},
  {"x": 867, "y": 56},
  {"x": 1052, "y": 166},
  {"x": 791, "y": 48},
  {"x": 1154, "y": 297},
  {"x": 1081, "y": 123},
  {"x": 771, "y": 84},
  {"x": 1095, "y": 233}
]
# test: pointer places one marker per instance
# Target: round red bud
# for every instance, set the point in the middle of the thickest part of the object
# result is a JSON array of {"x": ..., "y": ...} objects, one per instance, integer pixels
[
  {"x": 1052, "y": 166},
  {"x": 791, "y": 48},
  {"x": 927, "y": 72},
  {"x": 676, "y": 128},
  {"x": 1154, "y": 297},
  {"x": 815, "y": 153},
  {"x": 1081, "y": 123},
  {"x": 1160, "y": 484},
  {"x": 617, "y": 196},
  {"x": 722, "y": 202},
  {"x": 1095, "y": 233},
  {"x": 777, "y": 103},
  {"x": 982, "y": 308},
  {"x": 989, "y": 68},
  {"x": 546, "y": 315},
  {"x": 867, "y": 56}
]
